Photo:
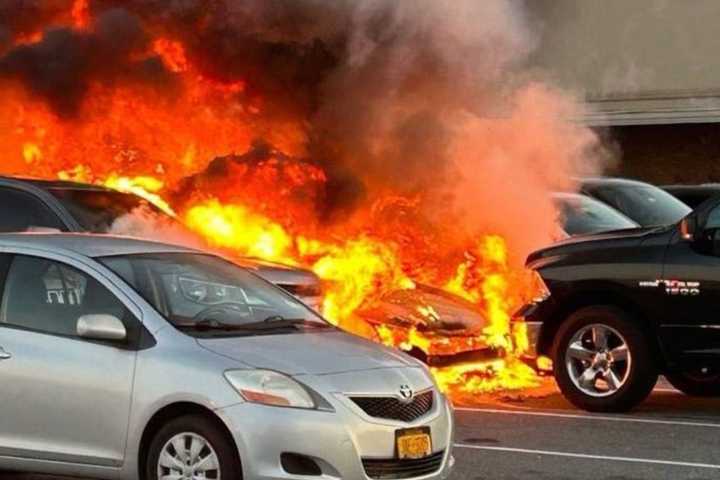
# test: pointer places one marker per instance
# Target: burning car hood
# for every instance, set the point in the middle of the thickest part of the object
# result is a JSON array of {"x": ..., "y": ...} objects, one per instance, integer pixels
[
  {"x": 307, "y": 353},
  {"x": 428, "y": 309}
]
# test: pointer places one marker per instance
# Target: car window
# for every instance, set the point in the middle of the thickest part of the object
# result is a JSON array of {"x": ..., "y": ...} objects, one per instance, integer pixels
[
  {"x": 50, "y": 297},
  {"x": 713, "y": 219},
  {"x": 581, "y": 215},
  {"x": 187, "y": 288},
  {"x": 97, "y": 210},
  {"x": 20, "y": 211},
  {"x": 647, "y": 205}
]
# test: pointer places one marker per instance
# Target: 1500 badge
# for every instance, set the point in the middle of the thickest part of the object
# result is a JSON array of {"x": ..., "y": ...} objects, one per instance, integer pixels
[{"x": 673, "y": 287}]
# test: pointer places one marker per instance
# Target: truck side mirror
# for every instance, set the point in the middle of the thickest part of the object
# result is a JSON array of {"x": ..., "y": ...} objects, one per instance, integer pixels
[{"x": 688, "y": 228}]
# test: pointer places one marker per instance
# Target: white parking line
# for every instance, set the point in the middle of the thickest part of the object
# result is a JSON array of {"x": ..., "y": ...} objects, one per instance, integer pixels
[
  {"x": 576, "y": 416},
  {"x": 590, "y": 456}
]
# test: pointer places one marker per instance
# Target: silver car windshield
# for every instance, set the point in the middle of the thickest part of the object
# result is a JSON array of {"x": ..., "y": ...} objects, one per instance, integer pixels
[{"x": 206, "y": 293}]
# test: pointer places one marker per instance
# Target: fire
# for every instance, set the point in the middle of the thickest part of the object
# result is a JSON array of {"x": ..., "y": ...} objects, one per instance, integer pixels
[
  {"x": 357, "y": 270},
  {"x": 179, "y": 143},
  {"x": 236, "y": 227},
  {"x": 80, "y": 13}
]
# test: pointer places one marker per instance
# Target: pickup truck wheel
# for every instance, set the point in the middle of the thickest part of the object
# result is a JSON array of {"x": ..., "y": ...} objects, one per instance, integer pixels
[
  {"x": 602, "y": 360},
  {"x": 696, "y": 383}
]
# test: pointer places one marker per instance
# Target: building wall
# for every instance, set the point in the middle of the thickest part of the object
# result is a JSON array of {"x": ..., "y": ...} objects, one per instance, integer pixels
[
  {"x": 650, "y": 73},
  {"x": 636, "y": 61},
  {"x": 668, "y": 154}
]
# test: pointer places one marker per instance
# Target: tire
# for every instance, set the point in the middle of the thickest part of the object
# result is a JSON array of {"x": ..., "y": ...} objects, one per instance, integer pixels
[
  {"x": 696, "y": 383},
  {"x": 594, "y": 377},
  {"x": 189, "y": 430}
]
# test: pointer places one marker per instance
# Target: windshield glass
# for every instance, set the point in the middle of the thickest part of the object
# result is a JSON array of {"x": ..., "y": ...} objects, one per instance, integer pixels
[
  {"x": 96, "y": 210},
  {"x": 582, "y": 215},
  {"x": 647, "y": 205},
  {"x": 208, "y": 293}
]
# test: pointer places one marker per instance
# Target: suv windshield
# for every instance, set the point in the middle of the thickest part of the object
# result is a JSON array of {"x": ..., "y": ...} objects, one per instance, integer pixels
[
  {"x": 204, "y": 293},
  {"x": 581, "y": 215},
  {"x": 96, "y": 210},
  {"x": 647, "y": 205}
]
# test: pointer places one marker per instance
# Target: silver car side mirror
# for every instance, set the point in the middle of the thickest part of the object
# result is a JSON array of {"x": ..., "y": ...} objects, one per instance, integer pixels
[{"x": 101, "y": 326}]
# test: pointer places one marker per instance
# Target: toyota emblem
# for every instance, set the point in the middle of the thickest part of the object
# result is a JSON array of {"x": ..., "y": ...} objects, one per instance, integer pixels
[{"x": 406, "y": 392}]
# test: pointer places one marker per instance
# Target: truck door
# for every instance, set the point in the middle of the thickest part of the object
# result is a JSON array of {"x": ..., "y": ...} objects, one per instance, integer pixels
[{"x": 691, "y": 294}]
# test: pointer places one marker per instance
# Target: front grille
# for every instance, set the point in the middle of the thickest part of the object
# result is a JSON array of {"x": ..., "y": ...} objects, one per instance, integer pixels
[
  {"x": 395, "y": 409},
  {"x": 388, "y": 469}
]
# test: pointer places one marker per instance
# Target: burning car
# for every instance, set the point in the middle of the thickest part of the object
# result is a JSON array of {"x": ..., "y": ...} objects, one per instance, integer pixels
[
  {"x": 431, "y": 324},
  {"x": 440, "y": 321},
  {"x": 41, "y": 205}
]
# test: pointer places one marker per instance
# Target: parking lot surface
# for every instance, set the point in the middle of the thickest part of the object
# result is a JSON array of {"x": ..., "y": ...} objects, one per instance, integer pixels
[{"x": 670, "y": 436}]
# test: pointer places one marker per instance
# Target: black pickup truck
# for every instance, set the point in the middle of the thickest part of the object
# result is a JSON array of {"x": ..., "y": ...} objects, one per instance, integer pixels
[{"x": 619, "y": 308}]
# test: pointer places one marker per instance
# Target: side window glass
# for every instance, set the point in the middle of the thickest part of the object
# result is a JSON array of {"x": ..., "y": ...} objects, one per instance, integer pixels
[
  {"x": 50, "y": 297},
  {"x": 713, "y": 219},
  {"x": 20, "y": 211}
]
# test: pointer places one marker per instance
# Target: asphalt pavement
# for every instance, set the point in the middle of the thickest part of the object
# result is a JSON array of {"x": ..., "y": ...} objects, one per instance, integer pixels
[
  {"x": 670, "y": 436},
  {"x": 541, "y": 436}
]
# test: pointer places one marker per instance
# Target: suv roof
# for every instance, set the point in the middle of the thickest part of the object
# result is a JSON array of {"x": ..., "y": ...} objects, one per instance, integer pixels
[
  {"x": 610, "y": 181},
  {"x": 89, "y": 244},
  {"x": 44, "y": 183}
]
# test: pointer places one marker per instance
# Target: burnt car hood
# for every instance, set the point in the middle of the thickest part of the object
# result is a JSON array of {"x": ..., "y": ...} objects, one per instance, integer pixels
[
  {"x": 428, "y": 309},
  {"x": 616, "y": 239},
  {"x": 318, "y": 353}
]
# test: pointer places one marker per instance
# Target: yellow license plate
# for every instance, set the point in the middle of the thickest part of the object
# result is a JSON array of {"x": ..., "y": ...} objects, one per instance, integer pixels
[{"x": 413, "y": 443}]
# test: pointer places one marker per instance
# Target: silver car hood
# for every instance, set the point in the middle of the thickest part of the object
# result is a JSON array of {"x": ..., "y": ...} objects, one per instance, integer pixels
[{"x": 307, "y": 353}]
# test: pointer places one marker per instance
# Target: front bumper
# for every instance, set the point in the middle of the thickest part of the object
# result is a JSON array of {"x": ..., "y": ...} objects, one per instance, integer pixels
[
  {"x": 529, "y": 318},
  {"x": 336, "y": 441}
]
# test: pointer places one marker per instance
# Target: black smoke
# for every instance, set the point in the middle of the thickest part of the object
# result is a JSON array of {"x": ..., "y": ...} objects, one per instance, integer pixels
[{"x": 62, "y": 65}]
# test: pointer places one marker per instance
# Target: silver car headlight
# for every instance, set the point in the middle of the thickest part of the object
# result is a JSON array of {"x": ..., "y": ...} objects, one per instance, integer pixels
[{"x": 269, "y": 387}]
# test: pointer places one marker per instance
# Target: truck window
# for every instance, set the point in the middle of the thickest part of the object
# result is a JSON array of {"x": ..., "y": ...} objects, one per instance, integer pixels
[{"x": 21, "y": 211}]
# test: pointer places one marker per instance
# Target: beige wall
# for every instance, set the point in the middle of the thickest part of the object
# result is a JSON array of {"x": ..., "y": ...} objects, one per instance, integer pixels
[{"x": 636, "y": 61}]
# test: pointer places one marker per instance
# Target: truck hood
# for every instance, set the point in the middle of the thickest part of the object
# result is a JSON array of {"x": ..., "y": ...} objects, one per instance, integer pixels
[
  {"x": 308, "y": 353},
  {"x": 604, "y": 241}
]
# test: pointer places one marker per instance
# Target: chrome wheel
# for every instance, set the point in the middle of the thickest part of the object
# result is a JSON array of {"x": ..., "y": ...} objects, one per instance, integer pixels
[
  {"x": 598, "y": 360},
  {"x": 188, "y": 456}
]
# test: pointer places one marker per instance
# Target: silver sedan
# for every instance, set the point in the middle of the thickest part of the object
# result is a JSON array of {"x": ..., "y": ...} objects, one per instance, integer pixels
[{"x": 124, "y": 359}]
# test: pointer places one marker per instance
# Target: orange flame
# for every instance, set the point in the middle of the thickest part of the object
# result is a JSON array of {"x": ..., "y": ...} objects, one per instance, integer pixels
[{"x": 136, "y": 139}]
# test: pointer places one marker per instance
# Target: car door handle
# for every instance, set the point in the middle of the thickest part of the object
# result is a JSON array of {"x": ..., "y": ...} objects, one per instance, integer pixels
[{"x": 5, "y": 355}]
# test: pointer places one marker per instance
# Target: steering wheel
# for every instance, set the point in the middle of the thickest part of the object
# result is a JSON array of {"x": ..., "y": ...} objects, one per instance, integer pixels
[{"x": 241, "y": 308}]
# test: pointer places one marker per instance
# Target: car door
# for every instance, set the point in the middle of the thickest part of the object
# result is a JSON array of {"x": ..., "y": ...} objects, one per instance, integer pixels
[
  {"x": 62, "y": 397},
  {"x": 691, "y": 294}
]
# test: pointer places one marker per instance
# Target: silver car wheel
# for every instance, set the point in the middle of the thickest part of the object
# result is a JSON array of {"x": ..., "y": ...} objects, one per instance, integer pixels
[
  {"x": 188, "y": 456},
  {"x": 598, "y": 360}
]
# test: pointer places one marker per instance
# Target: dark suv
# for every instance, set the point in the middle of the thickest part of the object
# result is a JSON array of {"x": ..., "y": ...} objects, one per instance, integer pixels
[
  {"x": 47, "y": 205},
  {"x": 620, "y": 308}
]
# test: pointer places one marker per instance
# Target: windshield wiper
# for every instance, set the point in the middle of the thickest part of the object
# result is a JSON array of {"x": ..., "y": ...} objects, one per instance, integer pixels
[
  {"x": 209, "y": 324},
  {"x": 280, "y": 321},
  {"x": 271, "y": 323}
]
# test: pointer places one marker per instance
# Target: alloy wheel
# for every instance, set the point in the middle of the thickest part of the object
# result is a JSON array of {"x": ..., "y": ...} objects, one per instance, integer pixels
[
  {"x": 598, "y": 360},
  {"x": 188, "y": 456}
]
